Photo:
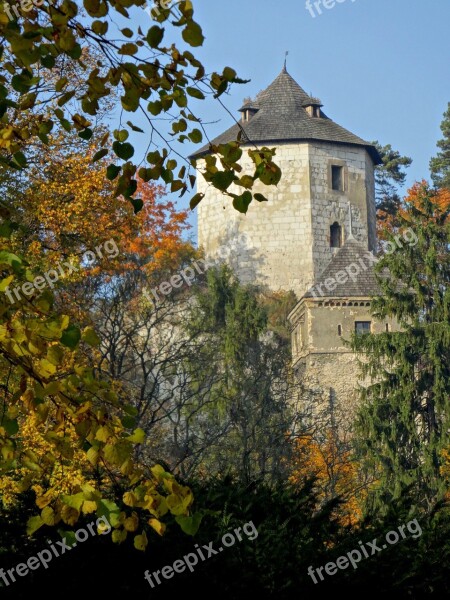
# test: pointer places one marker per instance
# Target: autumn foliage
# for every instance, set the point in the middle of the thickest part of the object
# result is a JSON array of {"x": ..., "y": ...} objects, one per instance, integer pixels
[
  {"x": 335, "y": 473},
  {"x": 389, "y": 224}
]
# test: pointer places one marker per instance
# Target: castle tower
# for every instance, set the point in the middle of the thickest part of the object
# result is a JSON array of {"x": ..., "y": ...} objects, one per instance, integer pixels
[
  {"x": 316, "y": 235},
  {"x": 291, "y": 239}
]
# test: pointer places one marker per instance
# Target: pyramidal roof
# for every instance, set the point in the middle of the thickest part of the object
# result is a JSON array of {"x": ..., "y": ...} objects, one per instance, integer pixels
[
  {"x": 363, "y": 284},
  {"x": 281, "y": 117}
]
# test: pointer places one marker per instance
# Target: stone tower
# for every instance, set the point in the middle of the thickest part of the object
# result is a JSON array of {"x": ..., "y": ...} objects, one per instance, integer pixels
[
  {"x": 292, "y": 238},
  {"x": 316, "y": 235}
]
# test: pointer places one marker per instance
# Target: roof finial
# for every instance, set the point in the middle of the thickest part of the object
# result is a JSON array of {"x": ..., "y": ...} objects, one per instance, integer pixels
[
  {"x": 285, "y": 60},
  {"x": 350, "y": 216}
]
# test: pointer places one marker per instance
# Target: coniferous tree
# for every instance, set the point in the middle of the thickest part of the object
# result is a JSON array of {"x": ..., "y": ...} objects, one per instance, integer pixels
[
  {"x": 389, "y": 176},
  {"x": 405, "y": 414},
  {"x": 440, "y": 164}
]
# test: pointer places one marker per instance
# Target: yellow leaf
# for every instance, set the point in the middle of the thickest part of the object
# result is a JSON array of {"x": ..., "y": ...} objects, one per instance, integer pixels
[
  {"x": 5, "y": 282},
  {"x": 129, "y": 499},
  {"x": 103, "y": 434},
  {"x": 69, "y": 515},
  {"x": 48, "y": 516},
  {"x": 89, "y": 506},
  {"x": 92, "y": 456},
  {"x": 141, "y": 542},
  {"x": 131, "y": 523},
  {"x": 119, "y": 536},
  {"x": 157, "y": 526}
]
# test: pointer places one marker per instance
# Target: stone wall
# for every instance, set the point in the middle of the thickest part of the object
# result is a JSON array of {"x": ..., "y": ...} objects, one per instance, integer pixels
[
  {"x": 322, "y": 360},
  {"x": 287, "y": 243}
]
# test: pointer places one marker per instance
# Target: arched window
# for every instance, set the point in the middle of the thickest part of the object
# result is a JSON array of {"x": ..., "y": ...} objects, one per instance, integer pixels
[{"x": 335, "y": 235}]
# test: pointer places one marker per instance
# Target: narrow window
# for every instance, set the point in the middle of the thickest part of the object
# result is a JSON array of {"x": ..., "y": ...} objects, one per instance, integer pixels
[
  {"x": 337, "y": 178},
  {"x": 335, "y": 236},
  {"x": 387, "y": 328},
  {"x": 339, "y": 330},
  {"x": 362, "y": 327}
]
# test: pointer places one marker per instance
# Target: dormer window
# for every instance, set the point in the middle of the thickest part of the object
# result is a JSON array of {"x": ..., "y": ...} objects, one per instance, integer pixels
[
  {"x": 248, "y": 111},
  {"x": 312, "y": 107}
]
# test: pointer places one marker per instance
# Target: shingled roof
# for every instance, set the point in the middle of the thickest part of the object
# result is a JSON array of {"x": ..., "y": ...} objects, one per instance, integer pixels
[
  {"x": 365, "y": 284},
  {"x": 281, "y": 117}
]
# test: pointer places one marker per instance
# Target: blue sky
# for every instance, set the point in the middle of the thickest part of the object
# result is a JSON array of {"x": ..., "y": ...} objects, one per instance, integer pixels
[{"x": 381, "y": 67}]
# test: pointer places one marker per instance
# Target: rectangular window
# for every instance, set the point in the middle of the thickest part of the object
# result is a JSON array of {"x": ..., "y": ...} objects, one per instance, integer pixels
[
  {"x": 337, "y": 178},
  {"x": 362, "y": 327}
]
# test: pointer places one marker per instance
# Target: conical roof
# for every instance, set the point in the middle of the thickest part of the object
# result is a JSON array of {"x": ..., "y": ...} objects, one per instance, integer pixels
[{"x": 281, "y": 117}]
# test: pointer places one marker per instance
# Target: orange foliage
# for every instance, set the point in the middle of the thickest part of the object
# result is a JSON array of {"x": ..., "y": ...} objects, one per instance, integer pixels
[
  {"x": 70, "y": 208},
  {"x": 388, "y": 224},
  {"x": 335, "y": 473}
]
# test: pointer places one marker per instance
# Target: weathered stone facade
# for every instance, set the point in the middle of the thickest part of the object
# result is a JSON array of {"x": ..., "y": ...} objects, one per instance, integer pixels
[
  {"x": 289, "y": 237},
  {"x": 320, "y": 217}
]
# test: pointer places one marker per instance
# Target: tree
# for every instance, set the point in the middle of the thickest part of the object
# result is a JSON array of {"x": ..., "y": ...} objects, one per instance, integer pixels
[
  {"x": 143, "y": 69},
  {"x": 210, "y": 382},
  {"x": 330, "y": 464},
  {"x": 389, "y": 176},
  {"x": 256, "y": 392},
  {"x": 404, "y": 419},
  {"x": 66, "y": 193},
  {"x": 440, "y": 164},
  {"x": 48, "y": 86}
]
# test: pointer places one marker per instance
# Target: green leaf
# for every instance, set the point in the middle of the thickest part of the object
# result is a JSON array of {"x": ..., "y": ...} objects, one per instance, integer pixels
[
  {"x": 189, "y": 525},
  {"x": 11, "y": 426},
  {"x": 128, "y": 422},
  {"x": 106, "y": 507},
  {"x": 120, "y": 135},
  {"x": 155, "y": 36},
  {"x": 195, "y": 200},
  {"x": 195, "y": 93},
  {"x": 192, "y": 34},
  {"x": 99, "y": 27},
  {"x": 20, "y": 160},
  {"x": 155, "y": 108},
  {"x": 260, "y": 198},
  {"x": 55, "y": 355},
  {"x": 70, "y": 337},
  {"x": 9, "y": 258},
  {"x": 137, "y": 204},
  {"x": 74, "y": 500},
  {"x": 222, "y": 180},
  {"x": 112, "y": 171},
  {"x": 65, "y": 98},
  {"x": 128, "y": 49},
  {"x": 68, "y": 536},
  {"x": 5, "y": 282},
  {"x": 100, "y": 154},
  {"x": 86, "y": 134},
  {"x": 246, "y": 181},
  {"x": 33, "y": 524},
  {"x": 90, "y": 337},
  {"x": 124, "y": 151},
  {"x": 229, "y": 74},
  {"x": 134, "y": 127},
  {"x": 241, "y": 203},
  {"x": 269, "y": 174},
  {"x": 195, "y": 136}
]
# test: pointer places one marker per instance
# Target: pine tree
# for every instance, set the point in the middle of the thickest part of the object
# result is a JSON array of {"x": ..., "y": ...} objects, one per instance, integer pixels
[
  {"x": 389, "y": 176},
  {"x": 405, "y": 414},
  {"x": 440, "y": 164}
]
